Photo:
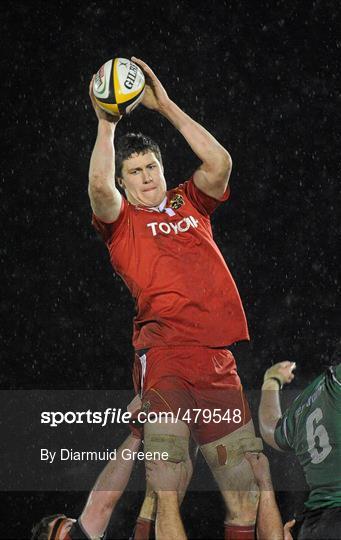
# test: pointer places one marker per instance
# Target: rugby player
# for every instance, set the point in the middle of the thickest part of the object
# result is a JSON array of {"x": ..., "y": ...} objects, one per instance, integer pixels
[
  {"x": 94, "y": 520},
  {"x": 311, "y": 428},
  {"x": 101, "y": 502},
  {"x": 189, "y": 312}
]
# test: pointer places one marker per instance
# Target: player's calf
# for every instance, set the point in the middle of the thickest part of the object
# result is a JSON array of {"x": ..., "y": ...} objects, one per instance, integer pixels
[
  {"x": 235, "y": 479},
  {"x": 171, "y": 440}
]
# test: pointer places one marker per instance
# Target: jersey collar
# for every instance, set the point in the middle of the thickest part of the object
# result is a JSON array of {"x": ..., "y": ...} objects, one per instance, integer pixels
[{"x": 161, "y": 208}]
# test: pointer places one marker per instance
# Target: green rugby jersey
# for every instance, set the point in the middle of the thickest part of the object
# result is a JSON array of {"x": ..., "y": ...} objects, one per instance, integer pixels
[{"x": 311, "y": 427}]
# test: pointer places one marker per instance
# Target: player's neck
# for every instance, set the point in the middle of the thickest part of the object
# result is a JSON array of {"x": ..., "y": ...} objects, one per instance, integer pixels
[{"x": 158, "y": 205}]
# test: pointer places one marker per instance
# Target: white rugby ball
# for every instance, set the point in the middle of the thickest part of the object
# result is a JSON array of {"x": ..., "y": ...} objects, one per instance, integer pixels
[{"x": 119, "y": 86}]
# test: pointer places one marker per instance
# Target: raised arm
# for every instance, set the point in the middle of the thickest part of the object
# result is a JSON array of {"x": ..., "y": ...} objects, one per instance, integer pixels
[
  {"x": 168, "y": 481},
  {"x": 110, "y": 484},
  {"x": 109, "y": 487},
  {"x": 270, "y": 407},
  {"x": 213, "y": 175},
  {"x": 104, "y": 196},
  {"x": 269, "y": 522}
]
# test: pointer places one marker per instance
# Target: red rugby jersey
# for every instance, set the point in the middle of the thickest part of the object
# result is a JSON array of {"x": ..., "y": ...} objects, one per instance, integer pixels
[{"x": 183, "y": 290}]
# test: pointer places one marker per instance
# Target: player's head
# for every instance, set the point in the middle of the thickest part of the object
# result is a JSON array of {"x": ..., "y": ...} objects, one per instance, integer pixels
[
  {"x": 139, "y": 169},
  {"x": 54, "y": 527}
]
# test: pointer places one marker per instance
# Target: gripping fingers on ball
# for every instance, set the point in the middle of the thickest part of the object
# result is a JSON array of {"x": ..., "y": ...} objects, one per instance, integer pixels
[
  {"x": 150, "y": 73},
  {"x": 91, "y": 87}
]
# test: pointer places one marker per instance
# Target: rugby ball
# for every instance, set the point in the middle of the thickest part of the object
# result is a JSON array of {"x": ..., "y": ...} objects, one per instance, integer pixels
[{"x": 119, "y": 86}]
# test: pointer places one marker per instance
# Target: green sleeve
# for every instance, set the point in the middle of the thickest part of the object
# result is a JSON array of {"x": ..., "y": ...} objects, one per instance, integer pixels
[{"x": 282, "y": 435}]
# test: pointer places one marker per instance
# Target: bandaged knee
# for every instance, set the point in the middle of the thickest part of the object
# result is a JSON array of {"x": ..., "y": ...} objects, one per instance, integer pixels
[
  {"x": 229, "y": 450},
  {"x": 175, "y": 446}
]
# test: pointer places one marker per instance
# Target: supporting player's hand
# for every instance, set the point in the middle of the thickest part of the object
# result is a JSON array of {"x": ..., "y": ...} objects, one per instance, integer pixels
[
  {"x": 155, "y": 96},
  {"x": 287, "y": 528},
  {"x": 261, "y": 470},
  {"x": 166, "y": 476},
  {"x": 100, "y": 113},
  {"x": 282, "y": 371}
]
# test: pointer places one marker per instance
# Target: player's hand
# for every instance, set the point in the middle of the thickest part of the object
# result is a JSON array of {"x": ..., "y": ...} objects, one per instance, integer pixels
[
  {"x": 155, "y": 96},
  {"x": 283, "y": 371},
  {"x": 287, "y": 528},
  {"x": 261, "y": 470},
  {"x": 100, "y": 113},
  {"x": 166, "y": 476}
]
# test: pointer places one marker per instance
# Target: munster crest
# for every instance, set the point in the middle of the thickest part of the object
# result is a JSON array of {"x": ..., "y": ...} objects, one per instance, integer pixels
[{"x": 176, "y": 201}]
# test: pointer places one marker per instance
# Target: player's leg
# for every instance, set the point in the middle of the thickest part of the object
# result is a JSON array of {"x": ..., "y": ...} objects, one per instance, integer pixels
[
  {"x": 189, "y": 466},
  {"x": 168, "y": 437},
  {"x": 157, "y": 376},
  {"x": 235, "y": 479},
  {"x": 225, "y": 432},
  {"x": 172, "y": 439},
  {"x": 146, "y": 519}
]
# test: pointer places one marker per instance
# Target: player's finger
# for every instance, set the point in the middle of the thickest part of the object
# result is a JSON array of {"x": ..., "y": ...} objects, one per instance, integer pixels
[
  {"x": 251, "y": 457},
  {"x": 91, "y": 87},
  {"x": 139, "y": 62},
  {"x": 289, "y": 525},
  {"x": 144, "y": 67},
  {"x": 285, "y": 364}
]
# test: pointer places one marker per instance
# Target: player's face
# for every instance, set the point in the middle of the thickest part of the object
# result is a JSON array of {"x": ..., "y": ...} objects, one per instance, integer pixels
[
  {"x": 143, "y": 179},
  {"x": 67, "y": 525}
]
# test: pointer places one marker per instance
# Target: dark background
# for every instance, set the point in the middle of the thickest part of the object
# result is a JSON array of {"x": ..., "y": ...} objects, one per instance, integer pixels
[{"x": 263, "y": 79}]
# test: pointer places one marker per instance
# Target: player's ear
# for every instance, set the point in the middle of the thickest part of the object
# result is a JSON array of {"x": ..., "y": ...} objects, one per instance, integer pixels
[{"x": 120, "y": 182}]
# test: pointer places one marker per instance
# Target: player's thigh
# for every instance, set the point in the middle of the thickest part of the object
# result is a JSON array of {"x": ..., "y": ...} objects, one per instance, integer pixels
[
  {"x": 171, "y": 438},
  {"x": 232, "y": 471}
]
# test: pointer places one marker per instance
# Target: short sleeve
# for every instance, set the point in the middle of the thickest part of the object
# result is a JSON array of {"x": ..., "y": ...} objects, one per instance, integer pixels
[
  {"x": 78, "y": 531},
  {"x": 202, "y": 202},
  {"x": 282, "y": 433},
  {"x": 109, "y": 230}
]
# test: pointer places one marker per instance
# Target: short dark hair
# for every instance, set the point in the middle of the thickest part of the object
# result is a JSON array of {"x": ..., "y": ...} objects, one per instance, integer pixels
[
  {"x": 134, "y": 143},
  {"x": 41, "y": 530}
]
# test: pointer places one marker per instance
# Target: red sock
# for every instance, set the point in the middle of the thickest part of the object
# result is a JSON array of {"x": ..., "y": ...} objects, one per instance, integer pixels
[
  {"x": 142, "y": 529},
  {"x": 239, "y": 532}
]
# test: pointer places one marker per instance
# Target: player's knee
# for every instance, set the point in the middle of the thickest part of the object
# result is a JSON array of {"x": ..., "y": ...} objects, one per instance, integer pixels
[
  {"x": 228, "y": 452},
  {"x": 233, "y": 474}
]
